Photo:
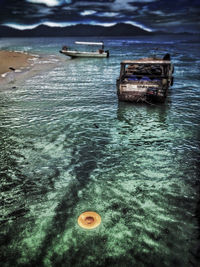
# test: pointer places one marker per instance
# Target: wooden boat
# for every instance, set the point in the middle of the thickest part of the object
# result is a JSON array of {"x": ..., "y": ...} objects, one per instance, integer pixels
[
  {"x": 145, "y": 80},
  {"x": 100, "y": 53}
]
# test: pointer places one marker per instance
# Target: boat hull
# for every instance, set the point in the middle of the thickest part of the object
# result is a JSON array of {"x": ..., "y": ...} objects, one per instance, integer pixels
[
  {"x": 143, "y": 92},
  {"x": 75, "y": 54}
]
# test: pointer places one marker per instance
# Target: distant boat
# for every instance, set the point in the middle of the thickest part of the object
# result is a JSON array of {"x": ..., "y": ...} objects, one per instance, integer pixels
[{"x": 100, "y": 53}]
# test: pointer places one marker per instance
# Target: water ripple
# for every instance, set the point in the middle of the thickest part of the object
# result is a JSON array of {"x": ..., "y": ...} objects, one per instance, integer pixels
[{"x": 68, "y": 146}]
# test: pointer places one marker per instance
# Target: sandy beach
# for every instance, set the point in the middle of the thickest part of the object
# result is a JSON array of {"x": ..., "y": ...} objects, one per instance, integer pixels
[
  {"x": 13, "y": 60},
  {"x": 15, "y": 67}
]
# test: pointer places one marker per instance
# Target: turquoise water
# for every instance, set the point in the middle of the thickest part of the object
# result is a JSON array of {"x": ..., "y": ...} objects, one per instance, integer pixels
[{"x": 67, "y": 146}]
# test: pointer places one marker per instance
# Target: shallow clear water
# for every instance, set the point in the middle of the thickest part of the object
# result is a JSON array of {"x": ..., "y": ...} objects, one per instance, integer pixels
[{"x": 67, "y": 146}]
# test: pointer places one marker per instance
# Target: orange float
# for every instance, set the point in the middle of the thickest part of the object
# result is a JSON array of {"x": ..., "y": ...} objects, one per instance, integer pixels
[{"x": 89, "y": 220}]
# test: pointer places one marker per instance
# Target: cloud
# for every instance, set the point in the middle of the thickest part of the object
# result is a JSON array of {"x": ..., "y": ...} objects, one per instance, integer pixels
[
  {"x": 93, "y": 4},
  {"x": 120, "y": 5},
  {"x": 33, "y": 26},
  {"x": 21, "y": 26},
  {"x": 55, "y": 24},
  {"x": 49, "y": 3},
  {"x": 145, "y": 14},
  {"x": 107, "y": 14},
  {"x": 158, "y": 12},
  {"x": 87, "y": 12},
  {"x": 43, "y": 12},
  {"x": 139, "y": 25},
  {"x": 104, "y": 24}
]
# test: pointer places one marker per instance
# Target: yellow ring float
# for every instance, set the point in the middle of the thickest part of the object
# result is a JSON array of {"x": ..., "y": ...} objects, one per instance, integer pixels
[{"x": 89, "y": 220}]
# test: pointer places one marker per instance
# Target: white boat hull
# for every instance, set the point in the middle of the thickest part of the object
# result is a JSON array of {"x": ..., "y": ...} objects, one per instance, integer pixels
[{"x": 74, "y": 54}]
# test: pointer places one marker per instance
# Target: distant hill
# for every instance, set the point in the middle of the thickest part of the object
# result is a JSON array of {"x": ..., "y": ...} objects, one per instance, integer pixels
[{"x": 120, "y": 29}]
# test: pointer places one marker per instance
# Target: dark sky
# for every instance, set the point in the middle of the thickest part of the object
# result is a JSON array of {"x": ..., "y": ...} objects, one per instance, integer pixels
[{"x": 167, "y": 15}]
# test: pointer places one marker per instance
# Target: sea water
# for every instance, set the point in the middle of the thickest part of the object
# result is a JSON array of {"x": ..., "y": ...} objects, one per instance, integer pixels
[{"x": 67, "y": 145}]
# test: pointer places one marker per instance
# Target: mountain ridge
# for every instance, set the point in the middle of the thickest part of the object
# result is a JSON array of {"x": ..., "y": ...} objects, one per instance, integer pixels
[{"x": 120, "y": 29}]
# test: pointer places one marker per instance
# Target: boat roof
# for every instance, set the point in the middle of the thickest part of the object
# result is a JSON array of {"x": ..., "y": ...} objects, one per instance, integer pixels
[
  {"x": 146, "y": 61},
  {"x": 89, "y": 43}
]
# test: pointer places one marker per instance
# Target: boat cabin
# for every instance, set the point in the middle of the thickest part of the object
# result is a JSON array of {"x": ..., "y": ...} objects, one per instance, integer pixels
[{"x": 145, "y": 80}]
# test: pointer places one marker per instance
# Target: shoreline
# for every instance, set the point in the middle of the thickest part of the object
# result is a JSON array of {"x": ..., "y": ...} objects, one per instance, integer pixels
[
  {"x": 16, "y": 66},
  {"x": 12, "y": 60}
]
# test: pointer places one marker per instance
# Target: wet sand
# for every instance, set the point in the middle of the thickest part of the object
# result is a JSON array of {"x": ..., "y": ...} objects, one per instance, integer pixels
[
  {"x": 14, "y": 60},
  {"x": 15, "y": 67}
]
